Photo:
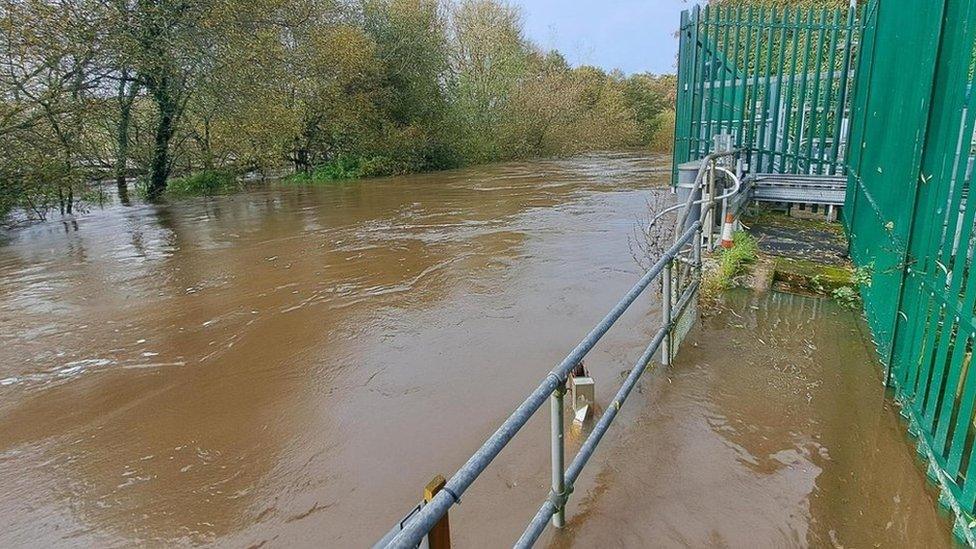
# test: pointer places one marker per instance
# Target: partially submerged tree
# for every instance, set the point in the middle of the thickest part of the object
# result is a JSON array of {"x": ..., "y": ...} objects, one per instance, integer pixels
[{"x": 164, "y": 89}]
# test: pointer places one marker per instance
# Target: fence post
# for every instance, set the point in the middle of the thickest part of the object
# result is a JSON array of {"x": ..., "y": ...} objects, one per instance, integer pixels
[
  {"x": 697, "y": 251},
  {"x": 439, "y": 536},
  {"x": 666, "y": 313},
  {"x": 558, "y": 456}
]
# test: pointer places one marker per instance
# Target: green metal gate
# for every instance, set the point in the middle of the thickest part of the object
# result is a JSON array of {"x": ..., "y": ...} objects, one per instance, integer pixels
[
  {"x": 776, "y": 79},
  {"x": 910, "y": 226}
]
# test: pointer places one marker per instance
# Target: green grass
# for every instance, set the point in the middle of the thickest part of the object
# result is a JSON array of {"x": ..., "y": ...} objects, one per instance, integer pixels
[
  {"x": 343, "y": 168},
  {"x": 204, "y": 183},
  {"x": 731, "y": 263}
]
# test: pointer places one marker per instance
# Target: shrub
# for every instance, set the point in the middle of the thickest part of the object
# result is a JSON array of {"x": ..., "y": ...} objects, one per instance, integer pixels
[
  {"x": 731, "y": 263},
  {"x": 203, "y": 183}
]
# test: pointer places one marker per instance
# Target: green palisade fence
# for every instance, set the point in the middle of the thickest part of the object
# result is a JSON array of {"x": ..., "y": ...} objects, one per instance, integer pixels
[
  {"x": 910, "y": 226},
  {"x": 883, "y": 94},
  {"x": 776, "y": 79}
]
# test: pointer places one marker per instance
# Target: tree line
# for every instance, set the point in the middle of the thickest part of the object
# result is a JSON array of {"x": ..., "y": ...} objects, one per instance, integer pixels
[{"x": 154, "y": 92}]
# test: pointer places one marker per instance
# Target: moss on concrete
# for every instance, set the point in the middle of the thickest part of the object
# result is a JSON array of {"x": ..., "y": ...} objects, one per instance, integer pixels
[{"x": 811, "y": 276}]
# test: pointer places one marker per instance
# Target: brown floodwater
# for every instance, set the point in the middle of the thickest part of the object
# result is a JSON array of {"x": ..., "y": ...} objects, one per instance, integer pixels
[{"x": 288, "y": 366}]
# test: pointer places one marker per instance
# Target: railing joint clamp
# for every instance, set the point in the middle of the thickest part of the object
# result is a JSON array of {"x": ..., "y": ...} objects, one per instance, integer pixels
[
  {"x": 560, "y": 383},
  {"x": 559, "y": 500}
]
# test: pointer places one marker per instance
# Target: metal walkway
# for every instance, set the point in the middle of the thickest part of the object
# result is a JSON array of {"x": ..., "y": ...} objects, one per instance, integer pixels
[{"x": 827, "y": 190}]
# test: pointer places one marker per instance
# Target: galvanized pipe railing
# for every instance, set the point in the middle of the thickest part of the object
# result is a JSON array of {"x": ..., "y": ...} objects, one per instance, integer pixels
[
  {"x": 549, "y": 509},
  {"x": 417, "y": 526},
  {"x": 553, "y": 387}
]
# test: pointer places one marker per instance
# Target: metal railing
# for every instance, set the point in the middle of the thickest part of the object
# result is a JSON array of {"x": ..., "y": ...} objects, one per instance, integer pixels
[{"x": 676, "y": 297}]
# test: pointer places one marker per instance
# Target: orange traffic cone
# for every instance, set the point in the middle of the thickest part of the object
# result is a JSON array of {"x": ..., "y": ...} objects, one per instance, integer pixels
[{"x": 727, "y": 231}]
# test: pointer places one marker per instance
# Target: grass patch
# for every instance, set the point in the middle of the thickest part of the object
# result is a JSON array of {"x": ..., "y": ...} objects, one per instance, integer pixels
[
  {"x": 204, "y": 183},
  {"x": 343, "y": 168},
  {"x": 731, "y": 263}
]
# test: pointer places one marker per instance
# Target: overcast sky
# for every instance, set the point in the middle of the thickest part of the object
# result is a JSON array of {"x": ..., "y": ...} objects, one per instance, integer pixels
[{"x": 630, "y": 35}]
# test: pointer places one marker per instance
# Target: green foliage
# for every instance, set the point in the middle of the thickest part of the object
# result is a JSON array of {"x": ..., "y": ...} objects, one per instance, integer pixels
[
  {"x": 862, "y": 276},
  {"x": 205, "y": 183},
  {"x": 732, "y": 262},
  {"x": 189, "y": 95},
  {"x": 849, "y": 296},
  {"x": 662, "y": 138},
  {"x": 345, "y": 167}
]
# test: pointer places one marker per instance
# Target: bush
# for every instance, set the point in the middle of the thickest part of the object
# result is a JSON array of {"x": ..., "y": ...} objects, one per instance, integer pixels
[
  {"x": 203, "y": 183},
  {"x": 731, "y": 263},
  {"x": 347, "y": 167}
]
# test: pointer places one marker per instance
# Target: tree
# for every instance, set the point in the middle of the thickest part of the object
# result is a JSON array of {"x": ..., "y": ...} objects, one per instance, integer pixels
[
  {"x": 48, "y": 75},
  {"x": 178, "y": 89},
  {"x": 489, "y": 57}
]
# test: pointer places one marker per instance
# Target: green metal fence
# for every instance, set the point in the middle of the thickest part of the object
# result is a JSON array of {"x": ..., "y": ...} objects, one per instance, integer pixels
[
  {"x": 776, "y": 79},
  {"x": 910, "y": 225}
]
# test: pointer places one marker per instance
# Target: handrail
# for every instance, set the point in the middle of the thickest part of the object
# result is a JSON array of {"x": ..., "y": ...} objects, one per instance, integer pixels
[
  {"x": 705, "y": 161},
  {"x": 424, "y": 520},
  {"x": 426, "y": 516},
  {"x": 548, "y": 509},
  {"x": 736, "y": 188}
]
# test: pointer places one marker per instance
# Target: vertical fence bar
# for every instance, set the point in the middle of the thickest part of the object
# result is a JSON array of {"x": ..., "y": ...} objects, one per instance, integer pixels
[
  {"x": 778, "y": 100},
  {"x": 815, "y": 97},
  {"x": 722, "y": 55},
  {"x": 791, "y": 87},
  {"x": 712, "y": 55},
  {"x": 683, "y": 101},
  {"x": 802, "y": 94},
  {"x": 766, "y": 79},
  {"x": 842, "y": 111},
  {"x": 695, "y": 98},
  {"x": 753, "y": 145},
  {"x": 829, "y": 92},
  {"x": 702, "y": 66},
  {"x": 733, "y": 63},
  {"x": 742, "y": 140},
  {"x": 558, "y": 454},
  {"x": 696, "y": 253}
]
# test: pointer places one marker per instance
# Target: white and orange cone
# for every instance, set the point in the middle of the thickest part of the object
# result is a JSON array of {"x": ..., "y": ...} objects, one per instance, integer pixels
[{"x": 727, "y": 231}]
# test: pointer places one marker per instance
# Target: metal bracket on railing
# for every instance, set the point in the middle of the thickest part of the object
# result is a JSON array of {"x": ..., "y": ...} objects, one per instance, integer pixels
[
  {"x": 560, "y": 500},
  {"x": 561, "y": 390}
]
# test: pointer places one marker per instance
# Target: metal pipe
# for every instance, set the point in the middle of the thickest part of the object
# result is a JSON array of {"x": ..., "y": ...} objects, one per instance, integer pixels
[
  {"x": 683, "y": 217},
  {"x": 697, "y": 250},
  {"x": 421, "y": 523},
  {"x": 541, "y": 518},
  {"x": 710, "y": 212},
  {"x": 558, "y": 455},
  {"x": 666, "y": 314},
  {"x": 736, "y": 188}
]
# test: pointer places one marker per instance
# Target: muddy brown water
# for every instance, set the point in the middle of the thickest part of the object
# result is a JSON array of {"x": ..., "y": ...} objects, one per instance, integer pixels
[{"x": 289, "y": 366}]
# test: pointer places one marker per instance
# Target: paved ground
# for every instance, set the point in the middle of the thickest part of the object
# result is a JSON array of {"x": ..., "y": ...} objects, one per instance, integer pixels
[{"x": 801, "y": 239}]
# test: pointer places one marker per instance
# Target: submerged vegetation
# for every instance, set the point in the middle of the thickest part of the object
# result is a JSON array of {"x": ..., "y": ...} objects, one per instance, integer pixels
[
  {"x": 731, "y": 263},
  {"x": 188, "y": 96},
  {"x": 208, "y": 182}
]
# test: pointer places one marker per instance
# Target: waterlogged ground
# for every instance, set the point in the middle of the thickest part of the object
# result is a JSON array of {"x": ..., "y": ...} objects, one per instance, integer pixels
[
  {"x": 289, "y": 366},
  {"x": 769, "y": 431}
]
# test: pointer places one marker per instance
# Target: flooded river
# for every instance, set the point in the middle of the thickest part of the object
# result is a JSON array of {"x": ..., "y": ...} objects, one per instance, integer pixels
[{"x": 290, "y": 365}]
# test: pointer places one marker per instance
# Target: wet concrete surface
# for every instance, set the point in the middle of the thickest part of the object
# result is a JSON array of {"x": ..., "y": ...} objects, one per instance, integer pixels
[
  {"x": 288, "y": 367},
  {"x": 802, "y": 239}
]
